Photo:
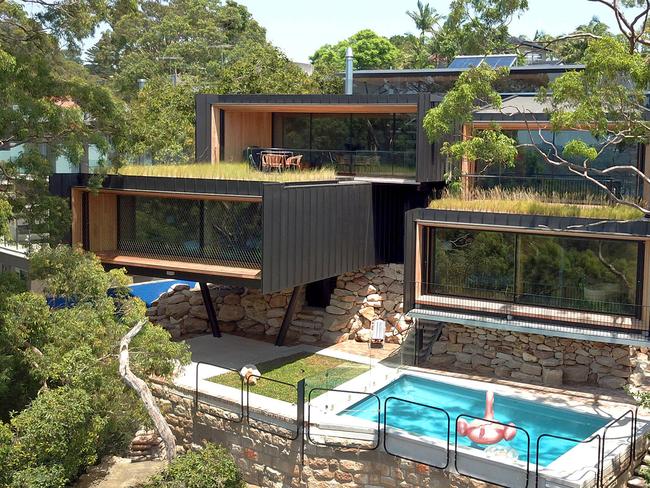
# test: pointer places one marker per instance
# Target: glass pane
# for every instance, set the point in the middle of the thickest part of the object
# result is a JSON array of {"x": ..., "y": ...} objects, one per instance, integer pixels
[
  {"x": 474, "y": 264},
  {"x": 295, "y": 131},
  {"x": 330, "y": 132},
  {"x": 581, "y": 274}
]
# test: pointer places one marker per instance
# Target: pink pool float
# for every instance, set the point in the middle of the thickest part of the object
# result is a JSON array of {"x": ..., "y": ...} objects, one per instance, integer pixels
[{"x": 484, "y": 431}]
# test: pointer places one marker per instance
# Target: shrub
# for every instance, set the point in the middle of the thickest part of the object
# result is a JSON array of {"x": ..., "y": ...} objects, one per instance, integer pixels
[
  {"x": 39, "y": 477},
  {"x": 58, "y": 428},
  {"x": 211, "y": 467}
]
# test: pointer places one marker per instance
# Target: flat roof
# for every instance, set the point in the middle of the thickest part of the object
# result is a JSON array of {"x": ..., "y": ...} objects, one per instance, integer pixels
[{"x": 530, "y": 68}]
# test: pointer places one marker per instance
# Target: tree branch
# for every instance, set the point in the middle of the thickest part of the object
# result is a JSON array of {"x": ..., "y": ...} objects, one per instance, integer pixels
[{"x": 145, "y": 394}]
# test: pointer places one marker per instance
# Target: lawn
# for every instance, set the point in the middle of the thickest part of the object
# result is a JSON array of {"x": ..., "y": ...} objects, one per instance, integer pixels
[
  {"x": 320, "y": 371},
  {"x": 529, "y": 203},
  {"x": 226, "y": 171}
]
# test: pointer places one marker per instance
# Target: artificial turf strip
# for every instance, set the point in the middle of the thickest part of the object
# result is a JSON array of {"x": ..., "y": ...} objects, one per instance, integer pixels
[{"x": 320, "y": 372}]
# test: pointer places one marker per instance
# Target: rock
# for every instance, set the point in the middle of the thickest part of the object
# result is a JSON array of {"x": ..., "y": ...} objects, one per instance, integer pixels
[
  {"x": 529, "y": 357},
  {"x": 334, "y": 310},
  {"x": 231, "y": 313},
  {"x": 368, "y": 290},
  {"x": 576, "y": 374},
  {"x": 352, "y": 286},
  {"x": 531, "y": 369},
  {"x": 613, "y": 382},
  {"x": 275, "y": 313},
  {"x": 178, "y": 310},
  {"x": 278, "y": 301},
  {"x": 227, "y": 326},
  {"x": 193, "y": 325},
  {"x": 341, "y": 304},
  {"x": 375, "y": 297},
  {"x": 367, "y": 312},
  {"x": 552, "y": 377},
  {"x": 438, "y": 347},
  {"x": 256, "y": 329},
  {"x": 196, "y": 299},
  {"x": 232, "y": 299},
  {"x": 389, "y": 305},
  {"x": 199, "y": 311},
  {"x": 175, "y": 298},
  {"x": 363, "y": 335},
  {"x": 179, "y": 287}
]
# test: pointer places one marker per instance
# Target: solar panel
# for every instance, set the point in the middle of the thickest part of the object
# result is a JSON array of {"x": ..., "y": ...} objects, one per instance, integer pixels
[
  {"x": 465, "y": 62},
  {"x": 498, "y": 61}
]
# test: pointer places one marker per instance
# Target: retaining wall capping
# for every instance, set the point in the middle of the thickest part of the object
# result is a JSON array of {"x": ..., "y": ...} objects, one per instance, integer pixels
[
  {"x": 532, "y": 358},
  {"x": 270, "y": 461},
  {"x": 358, "y": 298}
]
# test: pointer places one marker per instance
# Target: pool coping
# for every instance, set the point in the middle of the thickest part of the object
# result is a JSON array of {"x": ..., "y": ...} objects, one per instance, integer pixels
[{"x": 561, "y": 472}]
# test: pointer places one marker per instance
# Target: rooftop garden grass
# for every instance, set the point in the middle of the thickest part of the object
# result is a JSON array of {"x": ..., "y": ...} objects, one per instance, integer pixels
[
  {"x": 530, "y": 203},
  {"x": 321, "y": 372},
  {"x": 226, "y": 171}
]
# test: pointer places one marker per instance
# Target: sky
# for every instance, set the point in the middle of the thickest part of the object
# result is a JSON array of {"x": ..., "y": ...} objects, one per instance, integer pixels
[{"x": 299, "y": 27}]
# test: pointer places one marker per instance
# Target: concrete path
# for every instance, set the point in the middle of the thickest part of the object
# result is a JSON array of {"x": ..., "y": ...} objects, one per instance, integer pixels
[{"x": 119, "y": 473}]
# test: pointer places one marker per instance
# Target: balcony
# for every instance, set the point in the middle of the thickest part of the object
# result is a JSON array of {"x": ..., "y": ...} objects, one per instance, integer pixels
[
  {"x": 564, "y": 188},
  {"x": 265, "y": 235},
  {"x": 390, "y": 164}
]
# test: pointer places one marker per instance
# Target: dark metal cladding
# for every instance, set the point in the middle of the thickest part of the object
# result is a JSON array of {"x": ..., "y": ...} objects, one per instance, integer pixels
[
  {"x": 60, "y": 184},
  {"x": 314, "y": 232},
  {"x": 412, "y": 216}
]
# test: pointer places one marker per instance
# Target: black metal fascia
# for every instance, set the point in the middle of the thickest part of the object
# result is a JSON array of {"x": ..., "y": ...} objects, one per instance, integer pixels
[
  {"x": 397, "y": 99},
  {"x": 624, "y": 228}
]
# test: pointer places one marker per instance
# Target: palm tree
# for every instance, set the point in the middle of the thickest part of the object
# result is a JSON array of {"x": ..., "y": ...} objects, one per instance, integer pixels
[{"x": 426, "y": 19}]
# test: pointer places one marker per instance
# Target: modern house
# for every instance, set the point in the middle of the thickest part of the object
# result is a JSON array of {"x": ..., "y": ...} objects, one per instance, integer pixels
[{"x": 495, "y": 273}]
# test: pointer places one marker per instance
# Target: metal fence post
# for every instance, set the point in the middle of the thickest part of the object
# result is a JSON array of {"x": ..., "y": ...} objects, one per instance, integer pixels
[{"x": 301, "y": 418}]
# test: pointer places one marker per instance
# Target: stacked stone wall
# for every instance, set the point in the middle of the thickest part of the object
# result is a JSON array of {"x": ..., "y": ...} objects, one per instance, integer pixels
[{"x": 538, "y": 359}]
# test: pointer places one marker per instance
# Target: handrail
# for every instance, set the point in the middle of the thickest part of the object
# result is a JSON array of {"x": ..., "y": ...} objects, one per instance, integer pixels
[
  {"x": 420, "y": 405},
  {"x": 462, "y": 415},
  {"x": 241, "y": 390},
  {"x": 336, "y": 444},
  {"x": 295, "y": 434},
  {"x": 570, "y": 439},
  {"x": 632, "y": 434}
]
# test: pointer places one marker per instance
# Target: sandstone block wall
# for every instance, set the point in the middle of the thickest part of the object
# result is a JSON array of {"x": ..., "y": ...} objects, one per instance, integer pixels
[
  {"x": 552, "y": 361},
  {"x": 358, "y": 298}
]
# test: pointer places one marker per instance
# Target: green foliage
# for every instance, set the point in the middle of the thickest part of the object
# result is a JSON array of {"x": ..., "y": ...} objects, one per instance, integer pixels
[
  {"x": 48, "y": 98},
  {"x": 473, "y": 90},
  {"x": 579, "y": 149},
  {"x": 573, "y": 50},
  {"x": 150, "y": 40},
  {"x": 489, "y": 146},
  {"x": 60, "y": 427},
  {"x": 39, "y": 477},
  {"x": 477, "y": 27},
  {"x": 210, "y": 467},
  {"x": 70, "y": 354},
  {"x": 371, "y": 51}
]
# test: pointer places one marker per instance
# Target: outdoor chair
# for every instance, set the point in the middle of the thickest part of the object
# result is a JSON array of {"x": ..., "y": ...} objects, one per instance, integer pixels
[
  {"x": 294, "y": 162},
  {"x": 378, "y": 333},
  {"x": 273, "y": 161}
]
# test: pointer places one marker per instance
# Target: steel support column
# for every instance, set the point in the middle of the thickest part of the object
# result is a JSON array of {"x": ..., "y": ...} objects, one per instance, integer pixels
[
  {"x": 288, "y": 316},
  {"x": 209, "y": 308}
]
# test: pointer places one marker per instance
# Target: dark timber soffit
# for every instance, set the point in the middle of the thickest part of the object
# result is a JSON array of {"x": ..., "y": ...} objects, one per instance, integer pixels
[
  {"x": 634, "y": 228},
  {"x": 308, "y": 99}
]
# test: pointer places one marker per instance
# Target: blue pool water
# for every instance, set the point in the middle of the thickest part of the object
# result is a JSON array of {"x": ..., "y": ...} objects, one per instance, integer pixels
[
  {"x": 151, "y": 290},
  {"x": 536, "y": 418}
]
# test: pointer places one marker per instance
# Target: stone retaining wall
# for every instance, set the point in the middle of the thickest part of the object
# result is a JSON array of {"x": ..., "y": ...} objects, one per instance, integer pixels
[
  {"x": 267, "y": 460},
  {"x": 358, "y": 298},
  {"x": 552, "y": 361},
  {"x": 270, "y": 461}
]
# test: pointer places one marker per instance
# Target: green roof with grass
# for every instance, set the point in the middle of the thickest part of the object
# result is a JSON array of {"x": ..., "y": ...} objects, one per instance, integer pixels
[
  {"x": 528, "y": 203},
  {"x": 319, "y": 371},
  {"x": 227, "y": 171}
]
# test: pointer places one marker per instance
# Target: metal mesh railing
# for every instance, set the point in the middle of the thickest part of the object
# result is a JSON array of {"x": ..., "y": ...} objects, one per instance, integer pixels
[{"x": 211, "y": 231}]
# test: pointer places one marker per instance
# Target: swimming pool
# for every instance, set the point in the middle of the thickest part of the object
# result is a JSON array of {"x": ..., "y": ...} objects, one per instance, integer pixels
[{"x": 535, "y": 418}]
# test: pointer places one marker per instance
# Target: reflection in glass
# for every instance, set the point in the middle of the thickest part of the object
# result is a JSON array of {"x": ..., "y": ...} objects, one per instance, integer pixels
[{"x": 598, "y": 275}]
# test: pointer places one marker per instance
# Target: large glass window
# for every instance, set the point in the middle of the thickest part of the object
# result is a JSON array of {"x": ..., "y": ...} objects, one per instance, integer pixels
[
  {"x": 220, "y": 232},
  {"x": 561, "y": 272},
  {"x": 373, "y": 144},
  {"x": 532, "y": 171}
]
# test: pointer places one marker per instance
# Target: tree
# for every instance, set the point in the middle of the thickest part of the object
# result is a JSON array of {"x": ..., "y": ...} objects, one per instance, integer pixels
[
  {"x": 426, "y": 19},
  {"x": 47, "y": 99},
  {"x": 190, "y": 37},
  {"x": 72, "y": 357},
  {"x": 371, "y": 51},
  {"x": 572, "y": 48},
  {"x": 477, "y": 27}
]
